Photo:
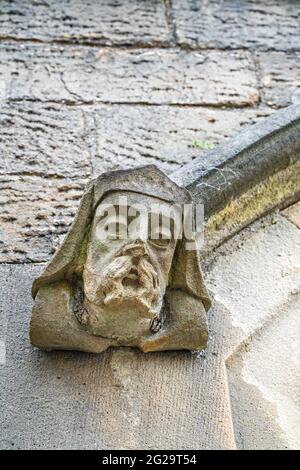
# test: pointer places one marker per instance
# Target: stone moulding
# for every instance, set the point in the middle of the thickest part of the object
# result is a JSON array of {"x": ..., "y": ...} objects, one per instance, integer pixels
[{"x": 248, "y": 176}]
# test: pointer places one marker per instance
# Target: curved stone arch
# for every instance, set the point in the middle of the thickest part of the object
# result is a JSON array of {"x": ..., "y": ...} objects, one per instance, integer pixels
[
  {"x": 248, "y": 176},
  {"x": 161, "y": 400},
  {"x": 243, "y": 180}
]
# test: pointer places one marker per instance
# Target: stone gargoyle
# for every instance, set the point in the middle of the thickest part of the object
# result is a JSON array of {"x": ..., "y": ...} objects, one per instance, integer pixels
[{"x": 142, "y": 292}]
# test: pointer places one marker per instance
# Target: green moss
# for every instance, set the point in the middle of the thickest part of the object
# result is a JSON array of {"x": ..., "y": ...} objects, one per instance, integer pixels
[
  {"x": 202, "y": 145},
  {"x": 83, "y": 252},
  {"x": 253, "y": 204}
]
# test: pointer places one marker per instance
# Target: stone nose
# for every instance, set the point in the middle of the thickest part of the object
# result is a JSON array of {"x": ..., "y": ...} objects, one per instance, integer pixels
[{"x": 136, "y": 249}]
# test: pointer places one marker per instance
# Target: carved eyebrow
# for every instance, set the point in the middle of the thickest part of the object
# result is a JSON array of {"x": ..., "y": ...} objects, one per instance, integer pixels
[
  {"x": 116, "y": 217},
  {"x": 101, "y": 212},
  {"x": 165, "y": 215}
]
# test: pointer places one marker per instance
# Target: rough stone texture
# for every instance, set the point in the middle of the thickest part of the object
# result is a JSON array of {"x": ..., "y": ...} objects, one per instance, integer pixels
[
  {"x": 243, "y": 162},
  {"x": 157, "y": 76},
  {"x": 49, "y": 152},
  {"x": 125, "y": 136},
  {"x": 279, "y": 74},
  {"x": 98, "y": 22},
  {"x": 121, "y": 290},
  {"x": 44, "y": 167},
  {"x": 35, "y": 213},
  {"x": 124, "y": 399},
  {"x": 292, "y": 213},
  {"x": 47, "y": 141},
  {"x": 51, "y": 140},
  {"x": 68, "y": 142},
  {"x": 272, "y": 24}
]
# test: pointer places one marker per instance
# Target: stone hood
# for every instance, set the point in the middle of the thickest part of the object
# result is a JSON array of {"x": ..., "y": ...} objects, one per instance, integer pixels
[{"x": 147, "y": 180}]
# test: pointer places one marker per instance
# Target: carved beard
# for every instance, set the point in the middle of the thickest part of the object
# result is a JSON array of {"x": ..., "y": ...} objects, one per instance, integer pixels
[
  {"x": 129, "y": 283},
  {"x": 129, "y": 279}
]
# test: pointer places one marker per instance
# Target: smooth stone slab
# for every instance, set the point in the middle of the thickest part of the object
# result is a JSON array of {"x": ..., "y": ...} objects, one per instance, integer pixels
[
  {"x": 121, "y": 399},
  {"x": 292, "y": 213},
  {"x": 257, "y": 272},
  {"x": 256, "y": 276},
  {"x": 264, "y": 376}
]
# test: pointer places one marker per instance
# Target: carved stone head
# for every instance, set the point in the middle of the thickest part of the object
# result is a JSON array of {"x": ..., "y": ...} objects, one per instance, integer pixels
[{"x": 123, "y": 277}]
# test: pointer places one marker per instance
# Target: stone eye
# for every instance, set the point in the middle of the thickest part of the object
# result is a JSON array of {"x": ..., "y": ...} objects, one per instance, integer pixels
[
  {"x": 161, "y": 235},
  {"x": 160, "y": 242}
]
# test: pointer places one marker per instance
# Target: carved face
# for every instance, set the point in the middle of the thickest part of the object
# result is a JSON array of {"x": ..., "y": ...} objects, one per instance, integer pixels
[{"x": 129, "y": 257}]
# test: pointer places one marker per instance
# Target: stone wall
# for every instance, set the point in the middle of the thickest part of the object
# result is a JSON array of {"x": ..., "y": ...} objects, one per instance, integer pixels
[
  {"x": 118, "y": 84},
  {"x": 108, "y": 85}
]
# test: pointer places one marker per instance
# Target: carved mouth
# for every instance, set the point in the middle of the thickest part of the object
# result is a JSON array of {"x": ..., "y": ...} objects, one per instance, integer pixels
[
  {"x": 132, "y": 278},
  {"x": 133, "y": 273}
]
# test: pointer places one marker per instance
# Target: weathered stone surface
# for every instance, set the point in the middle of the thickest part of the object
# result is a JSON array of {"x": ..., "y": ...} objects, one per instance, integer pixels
[
  {"x": 279, "y": 73},
  {"x": 292, "y": 213},
  {"x": 273, "y": 192},
  {"x": 251, "y": 284},
  {"x": 44, "y": 166},
  {"x": 107, "y": 137},
  {"x": 273, "y": 24},
  {"x": 98, "y": 22},
  {"x": 55, "y": 141},
  {"x": 264, "y": 376},
  {"x": 34, "y": 213},
  {"x": 47, "y": 141},
  {"x": 120, "y": 399},
  {"x": 256, "y": 276},
  {"x": 48, "y": 151},
  {"x": 255, "y": 154},
  {"x": 73, "y": 400},
  {"x": 125, "y": 136},
  {"x": 158, "y": 76}
]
